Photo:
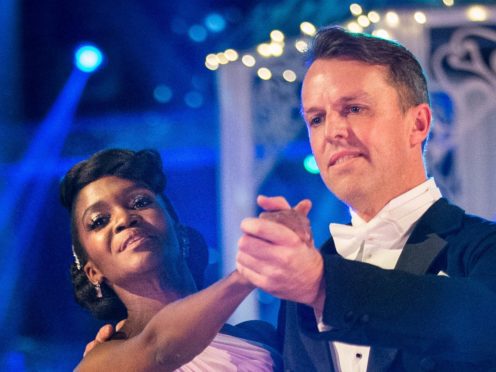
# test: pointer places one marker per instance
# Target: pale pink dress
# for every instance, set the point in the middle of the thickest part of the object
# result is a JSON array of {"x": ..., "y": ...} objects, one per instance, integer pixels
[{"x": 227, "y": 353}]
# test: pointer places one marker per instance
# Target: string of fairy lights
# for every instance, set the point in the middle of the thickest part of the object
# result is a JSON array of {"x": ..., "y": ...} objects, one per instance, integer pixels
[
  {"x": 274, "y": 48},
  {"x": 380, "y": 24}
]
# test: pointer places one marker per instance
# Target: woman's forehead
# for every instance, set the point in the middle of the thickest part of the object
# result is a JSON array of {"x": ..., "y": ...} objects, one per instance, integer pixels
[{"x": 106, "y": 188}]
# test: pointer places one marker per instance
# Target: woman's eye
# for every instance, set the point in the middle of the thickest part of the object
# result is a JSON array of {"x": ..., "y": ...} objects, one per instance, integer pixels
[
  {"x": 141, "y": 201},
  {"x": 98, "y": 221}
]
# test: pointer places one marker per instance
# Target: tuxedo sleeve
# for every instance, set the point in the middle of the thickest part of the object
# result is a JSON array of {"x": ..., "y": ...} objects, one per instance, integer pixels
[{"x": 446, "y": 317}]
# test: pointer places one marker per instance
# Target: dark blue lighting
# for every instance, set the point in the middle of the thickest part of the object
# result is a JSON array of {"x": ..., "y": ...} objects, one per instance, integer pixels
[
  {"x": 40, "y": 157},
  {"x": 88, "y": 58},
  {"x": 162, "y": 93},
  {"x": 197, "y": 33},
  {"x": 193, "y": 99}
]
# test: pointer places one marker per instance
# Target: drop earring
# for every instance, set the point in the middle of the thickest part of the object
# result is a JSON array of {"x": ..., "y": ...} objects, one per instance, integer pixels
[
  {"x": 184, "y": 243},
  {"x": 98, "y": 290}
]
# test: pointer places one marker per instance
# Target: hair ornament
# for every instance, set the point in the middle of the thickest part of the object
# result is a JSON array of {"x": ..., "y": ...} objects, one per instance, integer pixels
[{"x": 76, "y": 259}]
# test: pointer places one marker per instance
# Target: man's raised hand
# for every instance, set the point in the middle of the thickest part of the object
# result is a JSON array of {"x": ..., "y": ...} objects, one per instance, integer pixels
[{"x": 276, "y": 252}]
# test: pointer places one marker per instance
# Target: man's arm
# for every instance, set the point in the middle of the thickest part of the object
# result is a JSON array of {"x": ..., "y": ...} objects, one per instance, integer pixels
[
  {"x": 104, "y": 334},
  {"x": 448, "y": 317}
]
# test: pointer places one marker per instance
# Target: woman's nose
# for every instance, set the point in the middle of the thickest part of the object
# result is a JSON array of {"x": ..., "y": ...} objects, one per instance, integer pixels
[{"x": 126, "y": 220}]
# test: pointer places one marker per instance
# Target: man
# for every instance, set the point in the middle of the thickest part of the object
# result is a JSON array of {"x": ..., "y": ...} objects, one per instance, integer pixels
[{"x": 411, "y": 285}]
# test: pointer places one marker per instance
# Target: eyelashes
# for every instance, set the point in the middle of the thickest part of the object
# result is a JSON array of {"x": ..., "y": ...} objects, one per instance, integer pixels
[
  {"x": 141, "y": 201},
  {"x": 315, "y": 121},
  {"x": 100, "y": 219},
  {"x": 353, "y": 109}
]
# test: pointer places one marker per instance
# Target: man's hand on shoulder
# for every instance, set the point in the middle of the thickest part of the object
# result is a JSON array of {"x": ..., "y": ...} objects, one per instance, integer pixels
[{"x": 104, "y": 334}]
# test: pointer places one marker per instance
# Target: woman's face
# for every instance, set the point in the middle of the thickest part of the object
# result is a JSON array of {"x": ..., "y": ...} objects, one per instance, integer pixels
[{"x": 125, "y": 230}]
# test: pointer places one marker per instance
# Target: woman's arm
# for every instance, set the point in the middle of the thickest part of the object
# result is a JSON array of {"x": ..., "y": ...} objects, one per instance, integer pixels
[{"x": 176, "y": 334}]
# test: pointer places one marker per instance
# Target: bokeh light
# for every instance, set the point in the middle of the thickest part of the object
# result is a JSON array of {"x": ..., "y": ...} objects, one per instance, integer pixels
[
  {"x": 264, "y": 73},
  {"x": 162, "y": 93},
  {"x": 356, "y": 9},
  {"x": 310, "y": 164},
  {"x": 193, "y": 99},
  {"x": 308, "y": 28},
  {"x": 248, "y": 60},
  {"x": 88, "y": 57},
  {"x": 197, "y": 33},
  {"x": 289, "y": 75},
  {"x": 215, "y": 22}
]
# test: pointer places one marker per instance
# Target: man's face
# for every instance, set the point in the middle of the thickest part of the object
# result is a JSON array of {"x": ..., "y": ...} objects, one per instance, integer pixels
[{"x": 359, "y": 135}]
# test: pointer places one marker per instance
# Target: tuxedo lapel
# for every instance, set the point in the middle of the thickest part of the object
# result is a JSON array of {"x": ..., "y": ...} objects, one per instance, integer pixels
[
  {"x": 425, "y": 245},
  {"x": 422, "y": 252},
  {"x": 380, "y": 359},
  {"x": 417, "y": 258}
]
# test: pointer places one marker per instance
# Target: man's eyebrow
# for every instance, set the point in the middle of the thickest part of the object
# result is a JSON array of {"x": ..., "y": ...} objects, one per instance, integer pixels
[
  {"x": 310, "y": 110},
  {"x": 340, "y": 101},
  {"x": 353, "y": 97}
]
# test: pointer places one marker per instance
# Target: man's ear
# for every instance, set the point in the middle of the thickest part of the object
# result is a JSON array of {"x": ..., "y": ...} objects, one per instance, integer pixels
[
  {"x": 92, "y": 272},
  {"x": 422, "y": 117}
]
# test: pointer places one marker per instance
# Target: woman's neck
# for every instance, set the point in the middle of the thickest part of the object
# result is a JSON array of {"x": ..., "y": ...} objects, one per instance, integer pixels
[{"x": 143, "y": 301}]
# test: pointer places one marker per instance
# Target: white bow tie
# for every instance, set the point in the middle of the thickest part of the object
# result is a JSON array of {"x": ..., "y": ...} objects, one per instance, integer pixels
[
  {"x": 387, "y": 232},
  {"x": 378, "y": 234}
]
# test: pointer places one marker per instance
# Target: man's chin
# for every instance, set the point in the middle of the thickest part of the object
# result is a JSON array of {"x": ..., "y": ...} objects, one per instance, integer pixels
[{"x": 348, "y": 191}]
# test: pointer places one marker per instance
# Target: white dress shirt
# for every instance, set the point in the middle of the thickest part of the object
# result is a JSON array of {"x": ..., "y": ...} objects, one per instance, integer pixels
[{"x": 378, "y": 242}]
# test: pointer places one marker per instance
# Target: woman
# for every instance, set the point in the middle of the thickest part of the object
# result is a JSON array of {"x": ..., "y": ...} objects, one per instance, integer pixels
[{"x": 131, "y": 260}]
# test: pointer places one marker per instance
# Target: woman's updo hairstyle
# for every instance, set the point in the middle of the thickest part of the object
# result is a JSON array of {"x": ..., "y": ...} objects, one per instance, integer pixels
[{"x": 145, "y": 167}]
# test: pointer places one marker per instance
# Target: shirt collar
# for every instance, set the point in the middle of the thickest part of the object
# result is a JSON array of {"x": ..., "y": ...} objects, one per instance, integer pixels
[
  {"x": 406, "y": 208},
  {"x": 389, "y": 227}
]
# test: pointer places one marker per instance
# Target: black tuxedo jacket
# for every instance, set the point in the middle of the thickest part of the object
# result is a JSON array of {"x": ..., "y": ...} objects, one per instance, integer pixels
[{"x": 413, "y": 318}]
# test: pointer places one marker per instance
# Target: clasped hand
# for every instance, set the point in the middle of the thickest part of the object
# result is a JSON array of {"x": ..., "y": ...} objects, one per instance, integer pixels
[{"x": 277, "y": 254}]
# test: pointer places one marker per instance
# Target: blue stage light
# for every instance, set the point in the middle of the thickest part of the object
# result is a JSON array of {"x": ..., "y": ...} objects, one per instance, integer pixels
[
  {"x": 215, "y": 22},
  {"x": 162, "y": 93},
  {"x": 197, "y": 33},
  {"x": 310, "y": 164},
  {"x": 88, "y": 58},
  {"x": 193, "y": 99}
]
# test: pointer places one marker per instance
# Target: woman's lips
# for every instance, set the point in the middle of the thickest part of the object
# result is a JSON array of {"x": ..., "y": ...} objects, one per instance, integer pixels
[{"x": 133, "y": 240}]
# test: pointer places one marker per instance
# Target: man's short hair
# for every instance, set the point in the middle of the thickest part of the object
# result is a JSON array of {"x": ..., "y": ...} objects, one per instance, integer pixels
[{"x": 405, "y": 72}]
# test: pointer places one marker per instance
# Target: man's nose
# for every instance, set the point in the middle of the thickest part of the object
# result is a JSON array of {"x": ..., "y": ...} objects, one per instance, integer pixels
[{"x": 335, "y": 128}]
